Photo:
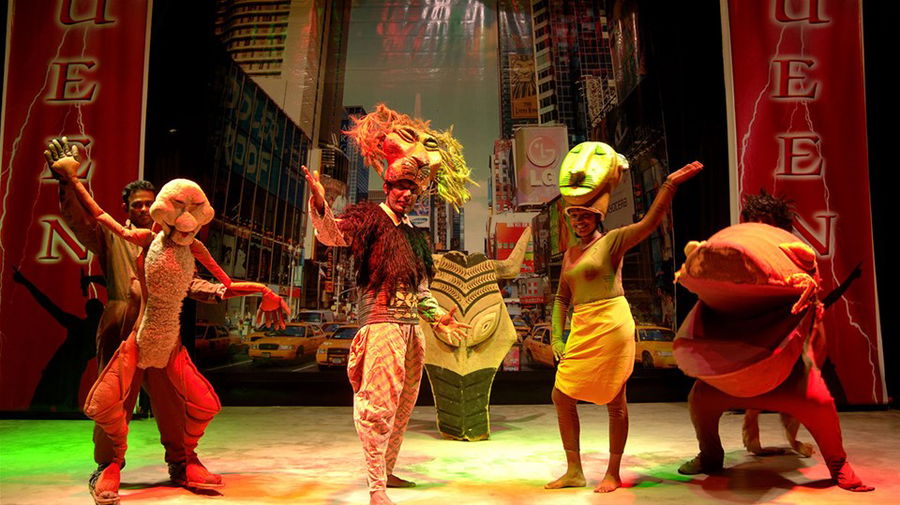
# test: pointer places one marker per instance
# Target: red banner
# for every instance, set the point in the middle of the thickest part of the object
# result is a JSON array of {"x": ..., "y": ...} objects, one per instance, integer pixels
[
  {"x": 798, "y": 129},
  {"x": 76, "y": 68}
]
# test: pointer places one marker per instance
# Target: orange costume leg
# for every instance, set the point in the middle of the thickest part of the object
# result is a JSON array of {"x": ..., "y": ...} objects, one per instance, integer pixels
[
  {"x": 107, "y": 404},
  {"x": 111, "y": 332},
  {"x": 201, "y": 404},
  {"x": 168, "y": 411}
]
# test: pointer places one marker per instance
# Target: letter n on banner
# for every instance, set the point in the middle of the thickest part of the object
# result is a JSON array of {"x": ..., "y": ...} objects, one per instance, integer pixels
[{"x": 797, "y": 128}]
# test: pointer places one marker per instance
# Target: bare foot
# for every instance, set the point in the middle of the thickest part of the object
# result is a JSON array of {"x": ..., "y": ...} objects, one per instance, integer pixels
[
  {"x": 609, "y": 484},
  {"x": 104, "y": 485},
  {"x": 394, "y": 481},
  {"x": 569, "y": 479},
  {"x": 379, "y": 498}
]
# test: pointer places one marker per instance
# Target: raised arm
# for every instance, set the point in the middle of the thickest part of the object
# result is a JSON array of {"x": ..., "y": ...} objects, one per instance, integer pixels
[
  {"x": 635, "y": 233},
  {"x": 201, "y": 254},
  {"x": 86, "y": 229},
  {"x": 63, "y": 160},
  {"x": 328, "y": 229}
]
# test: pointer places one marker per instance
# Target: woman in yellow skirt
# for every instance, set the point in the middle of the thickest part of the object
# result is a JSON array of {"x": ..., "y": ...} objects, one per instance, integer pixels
[{"x": 598, "y": 356}]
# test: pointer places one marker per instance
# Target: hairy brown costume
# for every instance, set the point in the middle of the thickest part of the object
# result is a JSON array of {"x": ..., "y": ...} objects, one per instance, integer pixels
[{"x": 388, "y": 256}]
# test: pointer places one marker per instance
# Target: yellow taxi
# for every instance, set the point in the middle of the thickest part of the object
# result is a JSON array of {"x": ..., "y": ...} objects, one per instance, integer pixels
[
  {"x": 653, "y": 346},
  {"x": 291, "y": 343},
  {"x": 212, "y": 341},
  {"x": 336, "y": 348},
  {"x": 536, "y": 347}
]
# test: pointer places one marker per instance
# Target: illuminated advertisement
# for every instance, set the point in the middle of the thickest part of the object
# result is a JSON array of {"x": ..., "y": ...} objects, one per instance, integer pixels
[{"x": 539, "y": 152}]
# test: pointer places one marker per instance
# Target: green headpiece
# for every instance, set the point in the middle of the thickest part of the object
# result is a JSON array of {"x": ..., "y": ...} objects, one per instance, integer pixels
[{"x": 588, "y": 175}]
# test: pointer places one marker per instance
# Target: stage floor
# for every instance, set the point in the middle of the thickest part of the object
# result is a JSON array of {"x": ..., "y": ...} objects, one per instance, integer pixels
[{"x": 310, "y": 455}]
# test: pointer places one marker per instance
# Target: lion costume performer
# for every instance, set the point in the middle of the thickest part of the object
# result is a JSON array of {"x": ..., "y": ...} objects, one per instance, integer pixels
[
  {"x": 165, "y": 270},
  {"x": 753, "y": 338},
  {"x": 394, "y": 264}
]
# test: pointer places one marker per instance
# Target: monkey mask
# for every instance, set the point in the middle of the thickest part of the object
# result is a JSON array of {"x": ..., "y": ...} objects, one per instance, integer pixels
[{"x": 181, "y": 209}]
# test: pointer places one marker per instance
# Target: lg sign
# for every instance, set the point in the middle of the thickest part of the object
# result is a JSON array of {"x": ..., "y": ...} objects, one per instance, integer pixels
[
  {"x": 543, "y": 153},
  {"x": 538, "y": 152}
]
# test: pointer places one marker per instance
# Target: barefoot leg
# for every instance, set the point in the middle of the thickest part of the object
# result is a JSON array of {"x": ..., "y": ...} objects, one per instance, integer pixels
[
  {"x": 570, "y": 433},
  {"x": 618, "y": 435}
]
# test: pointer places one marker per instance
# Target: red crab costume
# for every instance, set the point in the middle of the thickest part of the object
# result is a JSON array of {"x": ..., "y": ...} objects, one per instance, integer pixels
[
  {"x": 165, "y": 270},
  {"x": 751, "y": 340}
]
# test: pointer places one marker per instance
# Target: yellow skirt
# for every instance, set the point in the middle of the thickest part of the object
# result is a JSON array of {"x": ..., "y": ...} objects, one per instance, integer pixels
[{"x": 599, "y": 352}]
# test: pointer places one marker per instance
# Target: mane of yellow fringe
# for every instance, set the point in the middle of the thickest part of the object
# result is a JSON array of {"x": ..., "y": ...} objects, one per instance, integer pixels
[{"x": 451, "y": 175}]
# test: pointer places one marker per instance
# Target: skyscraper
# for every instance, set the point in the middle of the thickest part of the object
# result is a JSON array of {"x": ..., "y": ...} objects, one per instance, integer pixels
[
  {"x": 571, "y": 51},
  {"x": 518, "y": 93},
  {"x": 358, "y": 177},
  {"x": 295, "y": 50},
  {"x": 254, "y": 33}
]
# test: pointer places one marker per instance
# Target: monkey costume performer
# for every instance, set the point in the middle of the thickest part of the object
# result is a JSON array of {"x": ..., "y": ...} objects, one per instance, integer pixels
[{"x": 165, "y": 270}]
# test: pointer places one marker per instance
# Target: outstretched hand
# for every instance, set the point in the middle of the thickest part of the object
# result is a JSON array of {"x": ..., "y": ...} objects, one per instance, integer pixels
[
  {"x": 62, "y": 158},
  {"x": 316, "y": 189},
  {"x": 451, "y": 330},
  {"x": 686, "y": 172},
  {"x": 273, "y": 310}
]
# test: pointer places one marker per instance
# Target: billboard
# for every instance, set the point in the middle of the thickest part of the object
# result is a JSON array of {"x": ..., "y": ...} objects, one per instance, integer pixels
[
  {"x": 539, "y": 153},
  {"x": 621, "y": 204},
  {"x": 522, "y": 89},
  {"x": 502, "y": 197}
]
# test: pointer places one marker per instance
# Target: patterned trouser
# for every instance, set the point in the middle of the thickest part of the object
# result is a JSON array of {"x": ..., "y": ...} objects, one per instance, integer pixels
[{"x": 385, "y": 369}]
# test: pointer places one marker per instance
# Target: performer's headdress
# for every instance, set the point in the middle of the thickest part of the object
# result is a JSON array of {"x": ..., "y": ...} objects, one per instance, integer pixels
[
  {"x": 588, "y": 175},
  {"x": 449, "y": 176}
]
